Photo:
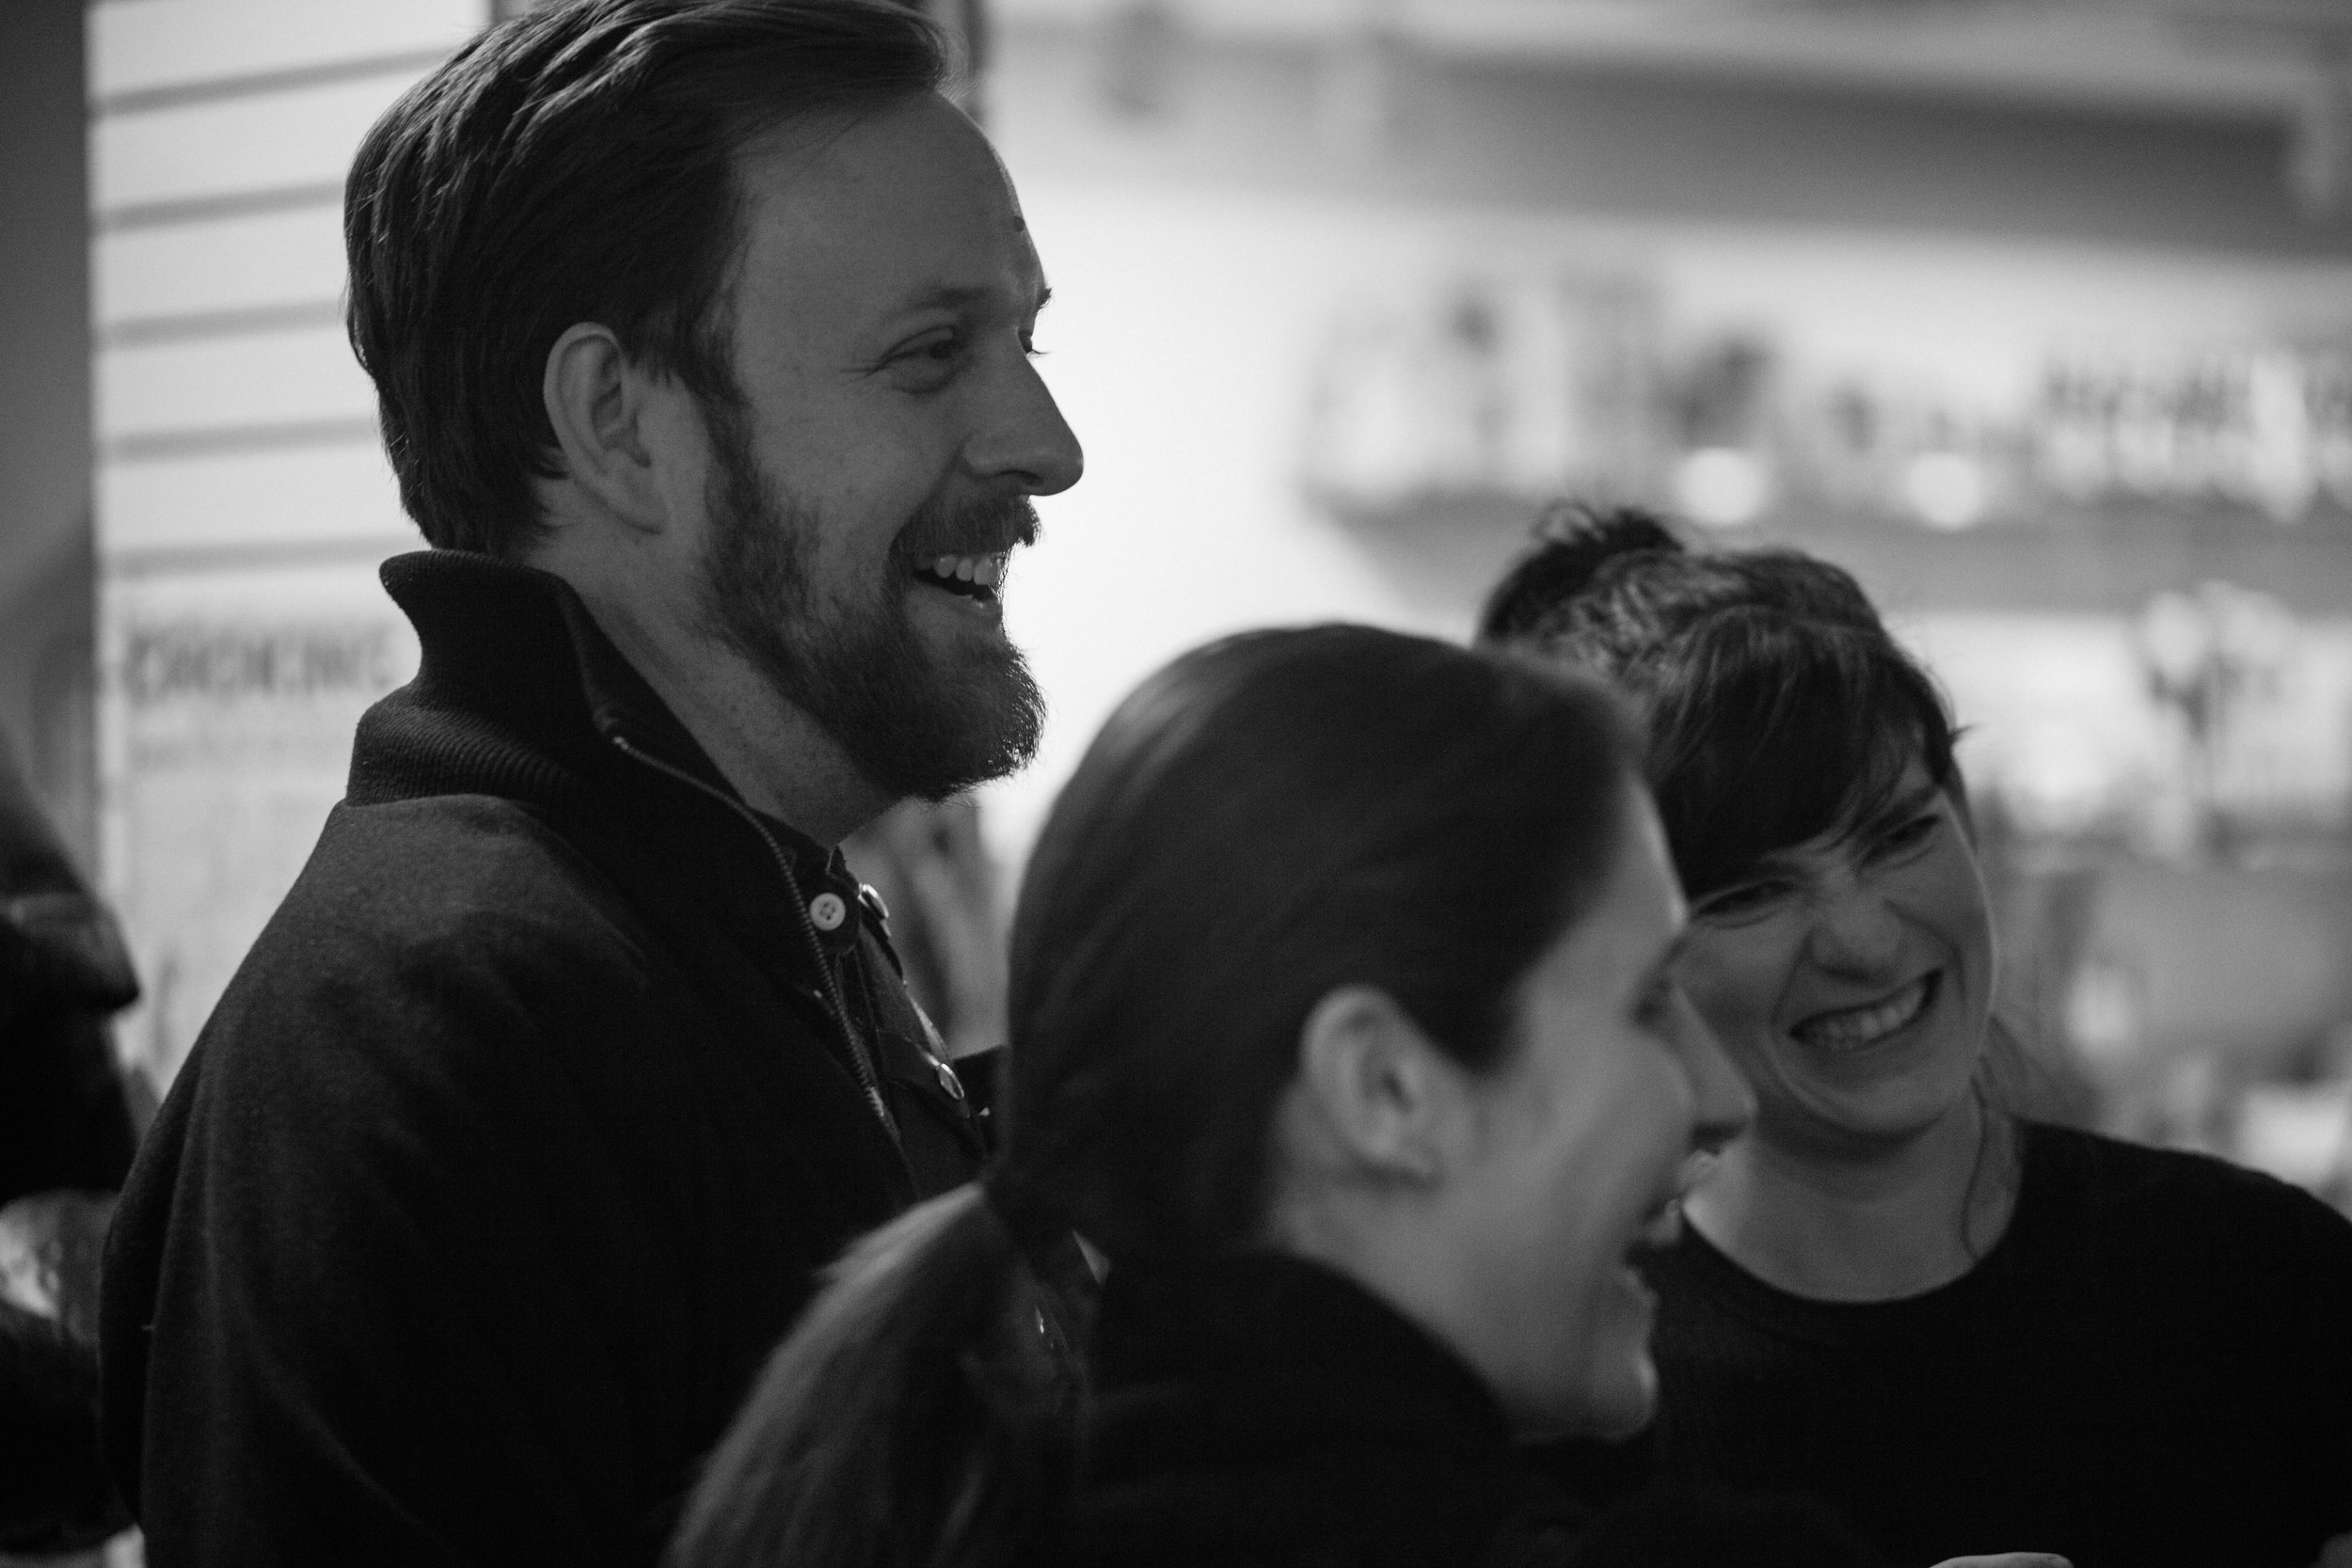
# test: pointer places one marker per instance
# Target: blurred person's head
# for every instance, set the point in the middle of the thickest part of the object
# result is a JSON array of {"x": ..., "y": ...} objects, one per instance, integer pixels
[
  {"x": 718, "y": 311},
  {"x": 1439, "y": 1049},
  {"x": 1841, "y": 942},
  {"x": 1339, "y": 942}
]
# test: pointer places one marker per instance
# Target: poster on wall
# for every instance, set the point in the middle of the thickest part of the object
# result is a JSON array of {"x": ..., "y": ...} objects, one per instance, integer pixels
[{"x": 231, "y": 699}]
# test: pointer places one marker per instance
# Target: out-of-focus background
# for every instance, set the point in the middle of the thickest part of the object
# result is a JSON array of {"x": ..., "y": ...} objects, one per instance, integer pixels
[{"x": 2036, "y": 314}]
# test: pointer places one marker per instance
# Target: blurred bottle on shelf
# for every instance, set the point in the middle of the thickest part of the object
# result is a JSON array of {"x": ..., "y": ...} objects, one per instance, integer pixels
[
  {"x": 2255, "y": 428},
  {"x": 1520, "y": 383},
  {"x": 2217, "y": 659},
  {"x": 1721, "y": 405}
]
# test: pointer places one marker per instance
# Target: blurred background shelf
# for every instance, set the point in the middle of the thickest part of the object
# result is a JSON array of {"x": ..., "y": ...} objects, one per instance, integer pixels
[{"x": 2097, "y": 560}]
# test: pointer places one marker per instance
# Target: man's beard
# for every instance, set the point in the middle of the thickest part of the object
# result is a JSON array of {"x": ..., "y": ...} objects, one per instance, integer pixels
[{"x": 912, "y": 725}]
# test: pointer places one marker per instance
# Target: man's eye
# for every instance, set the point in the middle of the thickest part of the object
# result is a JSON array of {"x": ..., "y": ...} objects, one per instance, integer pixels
[{"x": 928, "y": 364}]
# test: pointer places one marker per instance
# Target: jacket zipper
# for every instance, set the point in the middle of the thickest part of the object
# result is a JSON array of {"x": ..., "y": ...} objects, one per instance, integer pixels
[{"x": 860, "y": 1059}]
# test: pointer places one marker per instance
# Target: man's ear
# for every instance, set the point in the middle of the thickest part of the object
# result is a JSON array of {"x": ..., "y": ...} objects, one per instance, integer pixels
[
  {"x": 601, "y": 410},
  {"x": 1387, "y": 1098}
]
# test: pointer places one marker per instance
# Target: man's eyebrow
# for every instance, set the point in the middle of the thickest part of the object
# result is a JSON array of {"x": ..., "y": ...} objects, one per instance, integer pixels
[{"x": 965, "y": 297}]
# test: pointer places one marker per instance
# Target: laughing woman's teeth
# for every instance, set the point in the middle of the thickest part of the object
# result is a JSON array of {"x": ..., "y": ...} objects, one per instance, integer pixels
[
  {"x": 990, "y": 573},
  {"x": 1859, "y": 1026}
]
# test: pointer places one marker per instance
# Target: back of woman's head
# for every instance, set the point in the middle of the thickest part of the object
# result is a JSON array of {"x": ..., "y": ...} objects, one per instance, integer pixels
[
  {"x": 1778, "y": 705},
  {"x": 1267, "y": 819}
]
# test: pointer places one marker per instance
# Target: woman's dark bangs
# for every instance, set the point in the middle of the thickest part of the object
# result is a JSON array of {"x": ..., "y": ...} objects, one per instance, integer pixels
[{"x": 1786, "y": 731}]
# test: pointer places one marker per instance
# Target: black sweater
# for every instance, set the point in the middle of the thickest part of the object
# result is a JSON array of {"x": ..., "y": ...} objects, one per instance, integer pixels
[
  {"x": 2152, "y": 1368},
  {"x": 510, "y": 1150},
  {"x": 1261, "y": 1410}
]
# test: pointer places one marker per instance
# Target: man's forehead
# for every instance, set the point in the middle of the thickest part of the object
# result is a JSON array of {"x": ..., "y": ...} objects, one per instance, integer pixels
[{"x": 910, "y": 200}]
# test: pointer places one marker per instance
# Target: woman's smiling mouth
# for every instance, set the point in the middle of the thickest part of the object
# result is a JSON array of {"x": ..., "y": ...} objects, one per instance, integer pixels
[{"x": 1850, "y": 1029}]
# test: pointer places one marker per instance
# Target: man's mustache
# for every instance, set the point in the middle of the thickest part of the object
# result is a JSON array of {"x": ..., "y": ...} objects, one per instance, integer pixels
[{"x": 990, "y": 525}]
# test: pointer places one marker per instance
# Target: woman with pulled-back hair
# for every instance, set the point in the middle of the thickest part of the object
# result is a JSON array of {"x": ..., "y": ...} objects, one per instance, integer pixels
[
  {"x": 1343, "y": 1029},
  {"x": 1894, "y": 1294}
]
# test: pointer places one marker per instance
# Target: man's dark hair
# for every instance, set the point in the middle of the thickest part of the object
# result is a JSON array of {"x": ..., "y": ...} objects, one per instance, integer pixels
[{"x": 576, "y": 163}]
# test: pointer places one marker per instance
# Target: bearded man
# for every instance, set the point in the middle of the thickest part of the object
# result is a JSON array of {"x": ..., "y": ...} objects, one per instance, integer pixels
[{"x": 701, "y": 331}]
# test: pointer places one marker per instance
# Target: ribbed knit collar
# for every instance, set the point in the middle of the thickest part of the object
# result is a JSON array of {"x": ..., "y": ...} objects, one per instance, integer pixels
[
  {"x": 519, "y": 693},
  {"x": 1257, "y": 1407},
  {"x": 1274, "y": 1345}
]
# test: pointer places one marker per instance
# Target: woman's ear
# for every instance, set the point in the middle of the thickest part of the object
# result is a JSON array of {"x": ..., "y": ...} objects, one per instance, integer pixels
[{"x": 1386, "y": 1101}]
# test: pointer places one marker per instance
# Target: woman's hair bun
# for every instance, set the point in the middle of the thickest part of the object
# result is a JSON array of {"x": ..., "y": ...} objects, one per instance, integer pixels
[{"x": 1572, "y": 542}]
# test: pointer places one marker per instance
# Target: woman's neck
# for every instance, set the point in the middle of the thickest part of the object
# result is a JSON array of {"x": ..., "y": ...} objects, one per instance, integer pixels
[{"x": 1862, "y": 1224}]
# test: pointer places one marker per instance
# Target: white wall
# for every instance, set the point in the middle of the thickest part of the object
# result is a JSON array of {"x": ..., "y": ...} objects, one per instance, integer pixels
[
  {"x": 1185, "y": 318},
  {"x": 242, "y": 501}
]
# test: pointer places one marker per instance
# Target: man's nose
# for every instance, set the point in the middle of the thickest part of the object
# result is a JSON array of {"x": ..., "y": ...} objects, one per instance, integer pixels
[
  {"x": 1721, "y": 1102},
  {"x": 1025, "y": 439}
]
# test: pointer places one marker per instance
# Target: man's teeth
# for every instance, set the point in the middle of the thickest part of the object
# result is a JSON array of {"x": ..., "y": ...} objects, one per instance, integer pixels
[
  {"x": 981, "y": 571},
  {"x": 1859, "y": 1026}
]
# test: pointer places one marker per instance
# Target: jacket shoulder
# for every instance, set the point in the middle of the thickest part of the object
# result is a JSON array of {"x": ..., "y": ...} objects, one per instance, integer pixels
[
  {"x": 452, "y": 950},
  {"x": 411, "y": 868}
]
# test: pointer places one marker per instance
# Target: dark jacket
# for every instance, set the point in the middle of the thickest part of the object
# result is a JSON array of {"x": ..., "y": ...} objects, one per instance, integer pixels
[
  {"x": 65, "y": 1136},
  {"x": 511, "y": 1148},
  {"x": 1262, "y": 1410},
  {"x": 63, "y": 971}
]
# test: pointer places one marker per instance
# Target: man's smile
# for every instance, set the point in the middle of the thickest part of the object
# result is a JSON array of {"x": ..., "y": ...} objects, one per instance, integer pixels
[{"x": 973, "y": 577}]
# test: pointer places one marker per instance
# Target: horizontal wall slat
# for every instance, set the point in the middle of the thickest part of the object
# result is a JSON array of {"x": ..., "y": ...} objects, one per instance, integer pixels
[
  {"x": 170, "y": 563},
  {"x": 267, "y": 142},
  {"x": 139, "y": 331},
  {"x": 139, "y": 45},
  {"x": 261, "y": 84},
  {"x": 285, "y": 378},
  {"x": 241, "y": 501},
  {"x": 241, "y": 264},
  {"x": 318, "y": 195}
]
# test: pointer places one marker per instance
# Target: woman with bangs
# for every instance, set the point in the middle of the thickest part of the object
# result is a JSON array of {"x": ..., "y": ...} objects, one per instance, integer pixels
[{"x": 1955, "y": 1325}]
